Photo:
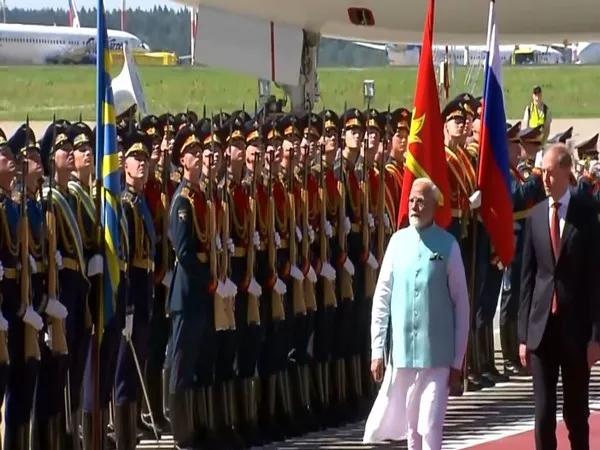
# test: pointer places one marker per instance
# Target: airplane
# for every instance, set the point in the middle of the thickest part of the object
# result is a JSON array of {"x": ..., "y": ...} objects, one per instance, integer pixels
[
  {"x": 464, "y": 55},
  {"x": 278, "y": 40},
  {"x": 40, "y": 44},
  {"x": 588, "y": 53}
]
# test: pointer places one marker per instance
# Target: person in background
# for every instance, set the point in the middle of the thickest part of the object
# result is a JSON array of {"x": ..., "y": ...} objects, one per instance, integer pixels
[{"x": 537, "y": 113}]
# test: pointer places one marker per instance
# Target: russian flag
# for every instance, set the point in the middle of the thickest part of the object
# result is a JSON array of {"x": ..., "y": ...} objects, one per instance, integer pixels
[{"x": 494, "y": 179}]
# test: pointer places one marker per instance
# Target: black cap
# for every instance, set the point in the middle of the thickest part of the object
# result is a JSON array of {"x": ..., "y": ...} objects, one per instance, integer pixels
[
  {"x": 137, "y": 142},
  {"x": 588, "y": 149},
  {"x": 331, "y": 120},
  {"x": 537, "y": 89},
  {"x": 180, "y": 120},
  {"x": 23, "y": 140},
  {"x": 47, "y": 147},
  {"x": 234, "y": 127},
  {"x": 184, "y": 138},
  {"x": 209, "y": 132},
  {"x": 253, "y": 131},
  {"x": 453, "y": 109},
  {"x": 532, "y": 135},
  {"x": 374, "y": 119},
  {"x": 353, "y": 118},
  {"x": 2, "y": 137},
  {"x": 271, "y": 130},
  {"x": 167, "y": 122},
  {"x": 468, "y": 103},
  {"x": 151, "y": 126},
  {"x": 192, "y": 116},
  {"x": 290, "y": 125},
  {"x": 80, "y": 133},
  {"x": 561, "y": 137},
  {"x": 512, "y": 133},
  {"x": 401, "y": 119},
  {"x": 312, "y": 124}
]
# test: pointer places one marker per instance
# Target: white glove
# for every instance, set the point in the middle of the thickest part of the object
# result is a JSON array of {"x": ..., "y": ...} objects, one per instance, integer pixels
[
  {"x": 255, "y": 288},
  {"x": 311, "y": 234},
  {"x": 166, "y": 281},
  {"x": 256, "y": 239},
  {"x": 95, "y": 266},
  {"x": 328, "y": 229},
  {"x": 59, "y": 260},
  {"x": 32, "y": 318},
  {"x": 218, "y": 243},
  {"x": 296, "y": 273},
  {"x": 347, "y": 225},
  {"x": 349, "y": 267},
  {"x": 3, "y": 323},
  {"x": 372, "y": 262},
  {"x": 56, "y": 309},
  {"x": 128, "y": 328},
  {"x": 371, "y": 221},
  {"x": 1, "y": 271},
  {"x": 231, "y": 288},
  {"x": 475, "y": 200},
  {"x": 277, "y": 240},
  {"x": 298, "y": 234},
  {"x": 327, "y": 271},
  {"x": 280, "y": 287},
  {"x": 311, "y": 275},
  {"x": 387, "y": 223},
  {"x": 221, "y": 289},
  {"x": 48, "y": 337},
  {"x": 33, "y": 264},
  {"x": 230, "y": 246}
]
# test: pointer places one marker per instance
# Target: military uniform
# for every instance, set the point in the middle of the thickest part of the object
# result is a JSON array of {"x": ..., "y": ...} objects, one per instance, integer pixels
[{"x": 191, "y": 307}]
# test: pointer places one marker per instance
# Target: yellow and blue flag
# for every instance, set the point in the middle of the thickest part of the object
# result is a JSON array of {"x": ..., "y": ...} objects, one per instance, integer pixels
[{"x": 107, "y": 169}]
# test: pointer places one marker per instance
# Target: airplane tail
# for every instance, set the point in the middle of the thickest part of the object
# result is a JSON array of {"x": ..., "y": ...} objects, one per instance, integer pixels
[
  {"x": 127, "y": 86},
  {"x": 73, "y": 16}
]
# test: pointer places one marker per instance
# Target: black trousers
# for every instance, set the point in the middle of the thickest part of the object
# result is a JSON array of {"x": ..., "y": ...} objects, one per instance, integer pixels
[{"x": 558, "y": 351}]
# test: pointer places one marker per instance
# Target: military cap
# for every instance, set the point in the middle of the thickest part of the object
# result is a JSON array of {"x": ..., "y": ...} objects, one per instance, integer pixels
[
  {"x": 353, "y": 118},
  {"x": 453, "y": 109},
  {"x": 2, "y": 137},
  {"x": 271, "y": 130},
  {"x": 151, "y": 126},
  {"x": 167, "y": 123},
  {"x": 400, "y": 119},
  {"x": 330, "y": 120},
  {"x": 252, "y": 131},
  {"x": 468, "y": 103},
  {"x": 209, "y": 132},
  {"x": 533, "y": 135},
  {"x": 192, "y": 116},
  {"x": 185, "y": 138},
  {"x": 512, "y": 132},
  {"x": 221, "y": 118},
  {"x": 375, "y": 119},
  {"x": 234, "y": 127},
  {"x": 47, "y": 147},
  {"x": 588, "y": 148},
  {"x": 136, "y": 142},
  {"x": 80, "y": 133},
  {"x": 242, "y": 114},
  {"x": 290, "y": 125},
  {"x": 562, "y": 137},
  {"x": 22, "y": 140},
  {"x": 181, "y": 119},
  {"x": 312, "y": 124}
]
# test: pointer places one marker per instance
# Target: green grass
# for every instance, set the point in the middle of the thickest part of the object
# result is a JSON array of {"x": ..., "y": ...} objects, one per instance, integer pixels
[{"x": 571, "y": 91}]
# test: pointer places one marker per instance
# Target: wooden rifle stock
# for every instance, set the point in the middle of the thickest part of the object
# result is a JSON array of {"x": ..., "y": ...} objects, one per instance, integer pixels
[
  {"x": 277, "y": 309},
  {"x": 329, "y": 297},
  {"x": 370, "y": 275},
  {"x": 297, "y": 285},
  {"x": 346, "y": 288},
  {"x": 253, "y": 315}
]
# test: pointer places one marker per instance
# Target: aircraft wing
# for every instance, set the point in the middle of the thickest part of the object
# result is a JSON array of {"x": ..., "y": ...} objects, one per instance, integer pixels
[
  {"x": 381, "y": 47},
  {"x": 457, "y": 21}
]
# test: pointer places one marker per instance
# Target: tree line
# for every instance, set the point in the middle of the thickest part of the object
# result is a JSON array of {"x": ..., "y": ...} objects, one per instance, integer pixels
[{"x": 168, "y": 29}]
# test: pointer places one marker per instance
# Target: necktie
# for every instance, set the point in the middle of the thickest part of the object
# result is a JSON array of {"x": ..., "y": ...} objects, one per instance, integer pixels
[{"x": 555, "y": 238}]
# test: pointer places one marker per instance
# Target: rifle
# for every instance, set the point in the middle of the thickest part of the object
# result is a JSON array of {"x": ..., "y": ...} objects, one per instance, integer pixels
[
  {"x": 329, "y": 298},
  {"x": 57, "y": 326},
  {"x": 277, "y": 309},
  {"x": 310, "y": 299},
  {"x": 381, "y": 195},
  {"x": 224, "y": 267},
  {"x": 32, "y": 348},
  {"x": 346, "y": 288},
  {"x": 297, "y": 283},
  {"x": 370, "y": 275},
  {"x": 165, "y": 249},
  {"x": 253, "y": 315},
  {"x": 220, "y": 314}
]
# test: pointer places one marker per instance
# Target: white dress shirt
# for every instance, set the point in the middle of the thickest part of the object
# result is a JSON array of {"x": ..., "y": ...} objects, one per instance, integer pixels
[{"x": 562, "y": 210}]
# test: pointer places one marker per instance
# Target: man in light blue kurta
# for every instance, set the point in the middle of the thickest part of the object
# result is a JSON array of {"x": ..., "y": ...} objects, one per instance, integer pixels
[{"x": 421, "y": 300}]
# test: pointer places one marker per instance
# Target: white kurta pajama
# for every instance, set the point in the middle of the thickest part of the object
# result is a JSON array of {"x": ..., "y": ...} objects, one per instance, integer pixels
[{"x": 422, "y": 293}]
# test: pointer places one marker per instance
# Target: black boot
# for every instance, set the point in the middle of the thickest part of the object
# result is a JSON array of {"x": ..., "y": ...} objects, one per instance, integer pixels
[
  {"x": 342, "y": 409},
  {"x": 249, "y": 412},
  {"x": 290, "y": 427},
  {"x": 17, "y": 438},
  {"x": 270, "y": 428},
  {"x": 87, "y": 431},
  {"x": 165, "y": 393},
  {"x": 233, "y": 424},
  {"x": 182, "y": 409},
  {"x": 486, "y": 379},
  {"x": 505, "y": 343},
  {"x": 125, "y": 433},
  {"x": 154, "y": 385}
]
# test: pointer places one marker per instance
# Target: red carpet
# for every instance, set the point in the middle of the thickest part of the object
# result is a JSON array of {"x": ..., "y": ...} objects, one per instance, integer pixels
[{"x": 525, "y": 441}]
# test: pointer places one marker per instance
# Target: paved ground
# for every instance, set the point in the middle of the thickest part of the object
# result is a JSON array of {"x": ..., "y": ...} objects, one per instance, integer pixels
[{"x": 500, "y": 418}]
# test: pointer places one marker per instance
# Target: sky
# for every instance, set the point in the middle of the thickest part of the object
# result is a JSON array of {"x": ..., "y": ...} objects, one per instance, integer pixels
[{"x": 108, "y": 4}]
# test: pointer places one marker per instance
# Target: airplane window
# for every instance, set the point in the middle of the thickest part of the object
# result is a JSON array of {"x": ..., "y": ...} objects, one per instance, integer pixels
[{"x": 361, "y": 16}]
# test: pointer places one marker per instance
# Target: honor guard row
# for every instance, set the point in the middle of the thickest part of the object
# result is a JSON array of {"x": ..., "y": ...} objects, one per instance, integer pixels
[{"x": 248, "y": 258}]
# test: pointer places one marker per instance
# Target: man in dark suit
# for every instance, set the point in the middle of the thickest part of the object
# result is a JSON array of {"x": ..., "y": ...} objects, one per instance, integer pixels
[{"x": 559, "y": 314}]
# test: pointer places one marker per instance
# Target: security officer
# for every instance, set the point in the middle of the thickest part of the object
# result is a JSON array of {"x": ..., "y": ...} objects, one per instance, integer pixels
[
  {"x": 20, "y": 313},
  {"x": 400, "y": 124},
  {"x": 191, "y": 307},
  {"x": 531, "y": 143},
  {"x": 526, "y": 193},
  {"x": 158, "y": 192},
  {"x": 58, "y": 162}
]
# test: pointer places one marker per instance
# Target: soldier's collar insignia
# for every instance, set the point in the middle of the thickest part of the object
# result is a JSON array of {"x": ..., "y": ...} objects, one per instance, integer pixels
[{"x": 182, "y": 214}]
